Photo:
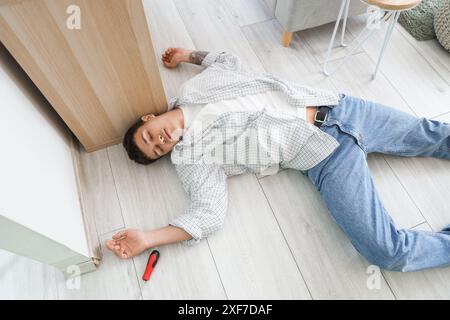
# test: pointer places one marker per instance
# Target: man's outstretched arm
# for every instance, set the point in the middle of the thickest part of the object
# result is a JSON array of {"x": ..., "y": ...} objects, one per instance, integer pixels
[
  {"x": 131, "y": 242},
  {"x": 207, "y": 188},
  {"x": 174, "y": 56}
]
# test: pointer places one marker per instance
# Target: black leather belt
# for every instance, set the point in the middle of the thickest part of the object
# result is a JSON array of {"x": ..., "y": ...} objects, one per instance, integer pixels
[{"x": 321, "y": 115}]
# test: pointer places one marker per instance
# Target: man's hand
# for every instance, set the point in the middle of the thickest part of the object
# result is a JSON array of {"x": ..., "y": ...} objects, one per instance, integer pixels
[
  {"x": 131, "y": 242},
  {"x": 173, "y": 56}
]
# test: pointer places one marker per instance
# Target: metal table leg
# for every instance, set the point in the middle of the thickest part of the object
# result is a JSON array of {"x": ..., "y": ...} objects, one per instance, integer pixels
[{"x": 344, "y": 4}]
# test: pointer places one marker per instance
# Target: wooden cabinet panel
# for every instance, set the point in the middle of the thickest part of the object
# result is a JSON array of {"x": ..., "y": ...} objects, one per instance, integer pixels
[{"x": 99, "y": 78}]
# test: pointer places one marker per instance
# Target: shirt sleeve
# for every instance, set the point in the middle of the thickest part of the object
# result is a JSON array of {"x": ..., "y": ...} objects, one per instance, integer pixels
[
  {"x": 307, "y": 94},
  {"x": 225, "y": 60},
  {"x": 207, "y": 188}
]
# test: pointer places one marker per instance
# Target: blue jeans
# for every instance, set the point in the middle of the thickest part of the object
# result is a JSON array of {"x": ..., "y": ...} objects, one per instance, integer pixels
[{"x": 346, "y": 186}]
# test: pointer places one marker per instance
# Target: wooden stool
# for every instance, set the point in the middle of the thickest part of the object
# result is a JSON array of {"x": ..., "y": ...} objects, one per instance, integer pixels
[{"x": 387, "y": 10}]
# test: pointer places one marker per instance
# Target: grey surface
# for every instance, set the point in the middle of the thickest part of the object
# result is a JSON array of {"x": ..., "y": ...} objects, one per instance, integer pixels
[{"x": 296, "y": 15}]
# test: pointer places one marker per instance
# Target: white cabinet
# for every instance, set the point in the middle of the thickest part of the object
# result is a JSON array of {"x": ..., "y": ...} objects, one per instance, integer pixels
[{"x": 40, "y": 210}]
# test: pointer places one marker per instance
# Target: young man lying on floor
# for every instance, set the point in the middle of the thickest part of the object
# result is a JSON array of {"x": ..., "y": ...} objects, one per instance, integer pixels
[{"x": 228, "y": 121}]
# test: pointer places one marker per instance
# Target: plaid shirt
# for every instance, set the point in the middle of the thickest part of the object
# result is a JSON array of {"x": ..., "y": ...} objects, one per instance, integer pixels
[{"x": 240, "y": 142}]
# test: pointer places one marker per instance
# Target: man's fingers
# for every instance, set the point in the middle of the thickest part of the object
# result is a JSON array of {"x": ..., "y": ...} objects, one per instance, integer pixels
[
  {"x": 116, "y": 252},
  {"x": 110, "y": 244},
  {"x": 119, "y": 235},
  {"x": 120, "y": 250},
  {"x": 114, "y": 248},
  {"x": 123, "y": 253},
  {"x": 120, "y": 239}
]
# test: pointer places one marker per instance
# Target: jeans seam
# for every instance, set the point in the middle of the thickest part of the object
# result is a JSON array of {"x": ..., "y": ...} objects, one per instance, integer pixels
[{"x": 342, "y": 127}]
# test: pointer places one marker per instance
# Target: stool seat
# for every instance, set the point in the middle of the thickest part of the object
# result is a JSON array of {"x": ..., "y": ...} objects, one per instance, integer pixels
[{"x": 394, "y": 4}]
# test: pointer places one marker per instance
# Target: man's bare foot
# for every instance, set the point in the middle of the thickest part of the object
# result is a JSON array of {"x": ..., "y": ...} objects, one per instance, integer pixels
[
  {"x": 128, "y": 243},
  {"x": 173, "y": 56}
]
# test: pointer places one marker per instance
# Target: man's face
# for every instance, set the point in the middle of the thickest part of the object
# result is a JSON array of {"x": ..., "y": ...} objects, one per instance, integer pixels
[{"x": 158, "y": 135}]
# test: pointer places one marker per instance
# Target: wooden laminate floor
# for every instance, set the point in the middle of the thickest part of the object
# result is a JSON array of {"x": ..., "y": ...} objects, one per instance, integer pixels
[{"x": 278, "y": 241}]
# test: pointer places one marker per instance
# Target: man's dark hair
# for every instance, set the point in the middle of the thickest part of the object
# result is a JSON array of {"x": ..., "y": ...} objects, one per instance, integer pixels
[{"x": 134, "y": 153}]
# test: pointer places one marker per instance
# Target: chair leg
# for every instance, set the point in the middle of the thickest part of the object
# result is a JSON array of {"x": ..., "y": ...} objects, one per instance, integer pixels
[
  {"x": 387, "y": 37},
  {"x": 287, "y": 37}
]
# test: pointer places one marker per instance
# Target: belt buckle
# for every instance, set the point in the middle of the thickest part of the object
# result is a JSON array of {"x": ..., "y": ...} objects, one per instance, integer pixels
[{"x": 318, "y": 120}]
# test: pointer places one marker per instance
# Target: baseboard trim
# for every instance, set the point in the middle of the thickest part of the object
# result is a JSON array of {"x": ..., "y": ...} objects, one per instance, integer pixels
[{"x": 88, "y": 220}]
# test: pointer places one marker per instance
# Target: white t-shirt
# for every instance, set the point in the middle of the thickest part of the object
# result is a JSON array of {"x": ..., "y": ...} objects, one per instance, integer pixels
[{"x": 269, "y": 99}]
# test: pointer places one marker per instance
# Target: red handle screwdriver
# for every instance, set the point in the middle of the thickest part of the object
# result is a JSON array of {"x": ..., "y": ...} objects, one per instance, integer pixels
[{"x": 152, "y": 260}]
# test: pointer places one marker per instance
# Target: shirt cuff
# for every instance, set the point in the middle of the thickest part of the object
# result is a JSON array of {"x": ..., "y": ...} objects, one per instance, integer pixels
[
  {"x": 172, "y": 103},
  {"x": 187, "y": 224},
  {"x": 211, "y": 58}
]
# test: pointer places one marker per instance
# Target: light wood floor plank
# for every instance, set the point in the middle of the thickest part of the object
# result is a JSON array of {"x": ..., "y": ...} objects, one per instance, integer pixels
[
  {"x": 165, "y": 35},
  {"x": 330, "y": 265},
  {"x": 318, "y": 39},
  {"x": 249, "y": 11},
  {"x": 427, "y": 181},
  {"x": 433, "y": 52},
  {"x": 294, "y": 63},
  {"x": 99, "y": 191},
  {"x": 151, "y": 196},
  {"x": 406, "y": 69},
  {"x": 224, "y": 34},
  {"x": 395, "y": 198},
  {"x": 251, "y": 254},
  {"x": 355, "y": 79},
  {"x": 114, "y": 279},
  {"x": 23, "y": 278}
]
